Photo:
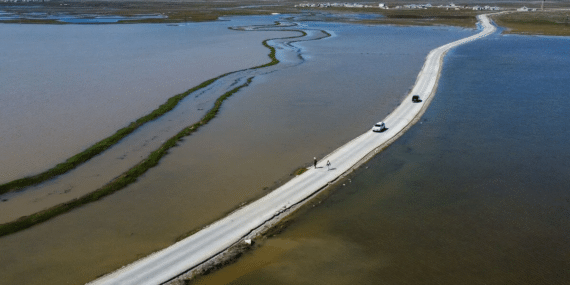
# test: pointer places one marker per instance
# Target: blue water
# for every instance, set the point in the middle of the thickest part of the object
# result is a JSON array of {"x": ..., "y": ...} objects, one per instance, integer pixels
[
  {"x": 475, "y": 193},
  {"x": 105, "y": 19},
  {"x": 510, "y": 97},
  {"x": 81, "y": 19}
]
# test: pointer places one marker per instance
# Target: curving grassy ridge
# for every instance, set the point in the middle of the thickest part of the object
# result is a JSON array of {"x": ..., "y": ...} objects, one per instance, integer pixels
[
  {"x": 122, "y": 181},
  {"x": 133, "y": 173},
  {"x": 102, "y": 145},
  {"x": 108, "y": 142}
]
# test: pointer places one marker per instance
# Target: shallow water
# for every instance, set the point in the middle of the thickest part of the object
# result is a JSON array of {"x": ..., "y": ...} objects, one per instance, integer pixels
[
  {"x": 476, "y": 193},
  {"x": 65, "y": 87},
  {"x": 261, "y": 135},
  {"x": 76, "y": 19}
]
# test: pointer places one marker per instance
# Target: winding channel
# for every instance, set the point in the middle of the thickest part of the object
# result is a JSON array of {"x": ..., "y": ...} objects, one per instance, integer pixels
[
  {"x": 244, "y": 223},
  {"x": 141, "y": 149}
]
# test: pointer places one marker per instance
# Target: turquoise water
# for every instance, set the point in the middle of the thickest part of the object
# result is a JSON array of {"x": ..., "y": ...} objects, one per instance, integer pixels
[{"x": 476, "y": 193}]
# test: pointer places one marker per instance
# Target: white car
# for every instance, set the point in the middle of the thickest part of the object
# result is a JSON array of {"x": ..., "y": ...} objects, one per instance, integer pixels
[{"x": 379, "y": 127}]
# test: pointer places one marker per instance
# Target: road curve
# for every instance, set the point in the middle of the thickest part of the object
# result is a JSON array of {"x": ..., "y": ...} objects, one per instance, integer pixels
[{"x": 168, "y": 263}]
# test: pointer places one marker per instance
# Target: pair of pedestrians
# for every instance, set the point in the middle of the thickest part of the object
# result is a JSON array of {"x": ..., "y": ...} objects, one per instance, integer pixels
[{"x": 315, "y": 163}]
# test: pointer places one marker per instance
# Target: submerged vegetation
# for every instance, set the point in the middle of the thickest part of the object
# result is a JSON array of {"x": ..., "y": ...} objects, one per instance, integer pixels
[
  {"x": 550, "y": 23},
  {"x": 125, "y": 179},
  {"x": 300, "y": 171},
  {"x": 108, "y": 142},
  {"x": 132, "y": 174},
  {"x": 102, "y": 145}
]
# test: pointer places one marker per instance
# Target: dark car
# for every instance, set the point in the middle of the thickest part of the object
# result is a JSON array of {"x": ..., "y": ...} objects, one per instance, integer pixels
[{"x": 416, "y": 99}]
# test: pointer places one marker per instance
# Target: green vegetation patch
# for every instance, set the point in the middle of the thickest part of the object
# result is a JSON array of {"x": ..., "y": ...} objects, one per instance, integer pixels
[
  {"x": 300, "y": 171},
  {"x": 108, "y": 142},
  {"x": 102, "y": 145},
  {"x": 554, "y": 23},
  {"x": 122, "y": 181}
]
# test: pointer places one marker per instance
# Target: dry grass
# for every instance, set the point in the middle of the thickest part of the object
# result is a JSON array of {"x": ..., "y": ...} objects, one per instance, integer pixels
[
  {"x": 433, "y": 16},
  {"x": 556, "y": 23}
]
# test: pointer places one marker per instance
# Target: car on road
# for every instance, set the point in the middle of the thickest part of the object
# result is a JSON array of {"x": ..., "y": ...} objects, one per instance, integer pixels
[
  {"x": 379, "y": 127},
  {"x": 416, "y": 99}
]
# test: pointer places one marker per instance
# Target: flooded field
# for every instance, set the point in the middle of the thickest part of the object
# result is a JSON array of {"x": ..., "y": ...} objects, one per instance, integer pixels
[
  {"x": 66, "y": 87},
  {"x": 98, "y": 171},
  {"x": 476, "y": 193},
  {"x": 264, "y": 132}
]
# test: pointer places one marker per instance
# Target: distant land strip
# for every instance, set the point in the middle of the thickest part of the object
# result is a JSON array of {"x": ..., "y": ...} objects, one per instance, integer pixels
[
  {"x": 78, "y": 159},
  {"x": 131, "y": 175}
]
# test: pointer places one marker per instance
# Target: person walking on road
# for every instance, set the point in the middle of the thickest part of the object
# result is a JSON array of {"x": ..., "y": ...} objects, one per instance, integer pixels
[
  {"x": 328, "y": 165},
  {"x": 315, "y": 162}
]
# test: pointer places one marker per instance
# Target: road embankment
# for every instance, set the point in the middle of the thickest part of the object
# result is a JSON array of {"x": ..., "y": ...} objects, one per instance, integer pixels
[{"x": 177, "y": 259}]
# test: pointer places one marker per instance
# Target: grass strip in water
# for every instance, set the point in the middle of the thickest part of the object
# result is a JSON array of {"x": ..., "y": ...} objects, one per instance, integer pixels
[
  {"x": 102, "y": 145},
  {"x": 122, "y": 181},
  {"x": 99, "y": 147},
  {"x": 152, "y": 160}
]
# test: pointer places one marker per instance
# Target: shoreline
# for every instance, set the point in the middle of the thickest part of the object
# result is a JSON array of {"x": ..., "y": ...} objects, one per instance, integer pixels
[{"x": 261, "y": 215}]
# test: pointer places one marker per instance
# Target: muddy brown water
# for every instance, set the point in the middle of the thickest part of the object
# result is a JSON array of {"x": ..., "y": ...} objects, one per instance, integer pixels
[
  {"x": 264, "y": 132},
  {"x": 65, "y": 87},
  {"x": 476, "y": 193}
]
